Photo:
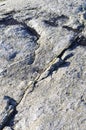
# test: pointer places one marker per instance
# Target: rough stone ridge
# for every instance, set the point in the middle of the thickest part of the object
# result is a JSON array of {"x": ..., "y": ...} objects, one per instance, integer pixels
[{"x": 43, "y": 65}]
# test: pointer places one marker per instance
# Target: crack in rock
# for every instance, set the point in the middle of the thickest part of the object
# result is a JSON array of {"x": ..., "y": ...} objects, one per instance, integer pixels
[
  {"x": 54, "y": 66},
  {"x": 57, "y": 64},
  {"x": 10, "y": 109},
  {"x": 77, "y": 41}
]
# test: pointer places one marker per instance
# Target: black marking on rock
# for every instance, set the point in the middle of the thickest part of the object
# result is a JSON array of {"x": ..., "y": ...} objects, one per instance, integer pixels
[
  {"x": 68, "y": 56},
  {"x": 10, "y": 101},
  {"x": 51, "y": 23},
  {"x": 10, "y": 12},
  {"x": 8, "y": 20},
  {"x": 78, "y": 29},
  {"x": 83, "y": 100},
  {"x": 11, "y": 56},
  {"x": 82, "y": 41},
  {"x": 34, "y": 85},
  {"x": 54, "y": 21}
]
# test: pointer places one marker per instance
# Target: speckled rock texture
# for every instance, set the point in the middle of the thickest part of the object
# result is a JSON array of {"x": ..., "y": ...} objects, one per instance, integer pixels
[{"x": 43, "y": 65}]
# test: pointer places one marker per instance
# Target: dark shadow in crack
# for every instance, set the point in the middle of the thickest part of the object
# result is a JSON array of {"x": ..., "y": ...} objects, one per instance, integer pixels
[
  {"x": 8, "y": 20},
  {"x": 66, "y": 64},
  {"x": 54, "y": 21},
  {"x": 82, "y": 41},
  {"x": 10, "y": 112},
  {"x": 68, "y": 56}
]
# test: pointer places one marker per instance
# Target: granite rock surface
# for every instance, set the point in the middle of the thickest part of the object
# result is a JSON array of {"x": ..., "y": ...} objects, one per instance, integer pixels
[{"x": 43, "y": 65}]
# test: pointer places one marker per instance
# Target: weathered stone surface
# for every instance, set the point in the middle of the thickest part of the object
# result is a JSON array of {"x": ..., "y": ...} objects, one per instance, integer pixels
[
  {"x": 58, "y": 101},
  {"x": 42, "y": 64}
]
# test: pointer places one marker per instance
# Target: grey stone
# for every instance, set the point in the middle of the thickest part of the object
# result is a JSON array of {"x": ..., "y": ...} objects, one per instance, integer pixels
[{"x": 42, "y": 65}]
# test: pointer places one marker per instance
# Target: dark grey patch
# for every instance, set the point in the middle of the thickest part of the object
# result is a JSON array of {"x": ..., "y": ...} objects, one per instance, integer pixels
[
  {"x": 56, "y": 20},
  {"x": 81, "y": 41},
  {"x": 65, "y": 64},
  {"x": 8, "y": 20},
  {"x": 35, "y": 69},
  {"x": 83, "y": 100},
  {"x": 68, "y": 56},
  {"x": 10, "y": 112},
  {"x": 29, "y": 59},
  {"x": 51, "y": 23},
  {"x": 10, "y": 101},
  {"x": 3, "y": 73},
  {"x": 78, "y": 29},
  {"x": 12, "y": 56},
  {"x": 82, "y": 7},
  {"x": 84, "y": 15}
]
